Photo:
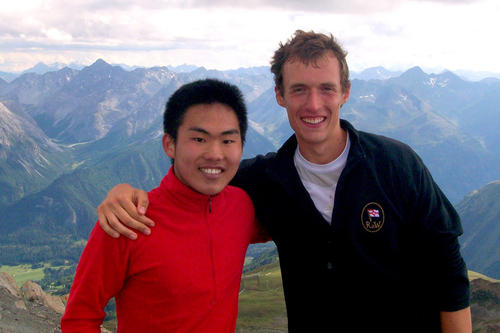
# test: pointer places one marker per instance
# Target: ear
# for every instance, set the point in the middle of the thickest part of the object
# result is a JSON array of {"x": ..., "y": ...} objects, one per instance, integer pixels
[
  {"x": 279, "y": 97},
  {"x": 168, "y": 145},
  {"x": 346, "y": 93}
]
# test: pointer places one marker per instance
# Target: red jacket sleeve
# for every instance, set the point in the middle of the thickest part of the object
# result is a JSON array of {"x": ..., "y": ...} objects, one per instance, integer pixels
[{"x": 99, "y": 276}]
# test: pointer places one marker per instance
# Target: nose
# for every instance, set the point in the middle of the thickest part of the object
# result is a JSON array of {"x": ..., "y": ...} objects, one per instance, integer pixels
[
  {"x": 313, "y": 102},
  {"x": 214, "y": 151}
]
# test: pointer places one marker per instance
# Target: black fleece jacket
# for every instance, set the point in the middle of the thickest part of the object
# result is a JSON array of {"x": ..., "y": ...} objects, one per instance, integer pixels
[{"x": 389, "y": 261}]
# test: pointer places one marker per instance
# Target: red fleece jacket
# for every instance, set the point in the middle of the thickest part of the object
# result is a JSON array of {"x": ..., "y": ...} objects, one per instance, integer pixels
[{"x": 184, "y": 277}]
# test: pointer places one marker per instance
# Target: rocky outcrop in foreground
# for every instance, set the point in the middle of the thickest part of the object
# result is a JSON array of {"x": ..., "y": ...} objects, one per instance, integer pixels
[
  {"x": 29, "y": 309},
  {"x": 485, "y": 306}
]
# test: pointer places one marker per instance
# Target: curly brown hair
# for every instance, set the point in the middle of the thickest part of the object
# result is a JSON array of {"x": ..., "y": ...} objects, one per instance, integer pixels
[{"x": 308, "y": 47}]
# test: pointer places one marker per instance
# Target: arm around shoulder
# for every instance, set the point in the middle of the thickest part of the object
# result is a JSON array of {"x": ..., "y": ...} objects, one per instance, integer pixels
[{"x": 124, "y": 206}]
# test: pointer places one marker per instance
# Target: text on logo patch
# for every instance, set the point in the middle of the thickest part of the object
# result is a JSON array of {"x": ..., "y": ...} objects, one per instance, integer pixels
[{"x": 372, "y": 217}]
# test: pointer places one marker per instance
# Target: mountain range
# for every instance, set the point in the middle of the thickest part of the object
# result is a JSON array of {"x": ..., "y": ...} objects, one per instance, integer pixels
[
  {"x": 67, "y": 136},
  {"x": 372, "y": 73},
  {"x": 480, "y": 213}
]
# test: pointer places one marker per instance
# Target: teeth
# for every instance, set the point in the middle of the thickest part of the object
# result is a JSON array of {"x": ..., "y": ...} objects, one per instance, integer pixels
[
  {"x": 211, "y": 171},
  {"x": 316, "y": 120}
]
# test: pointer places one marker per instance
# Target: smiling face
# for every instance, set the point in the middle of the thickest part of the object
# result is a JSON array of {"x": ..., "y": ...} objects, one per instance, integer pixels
[
  {"x": 208, "y": 148},
  {"x": 312, "y": 96}
]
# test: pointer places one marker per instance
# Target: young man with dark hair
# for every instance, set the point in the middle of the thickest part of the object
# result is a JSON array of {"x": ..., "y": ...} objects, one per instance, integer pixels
[
  {"x": 366, "y": 239},
  {"x": 186, "y": 276}
]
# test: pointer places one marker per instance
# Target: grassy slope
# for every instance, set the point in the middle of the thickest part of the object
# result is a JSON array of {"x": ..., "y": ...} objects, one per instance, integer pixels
[
  {"x": 261, "y": 301},
  {"x": 23, "y": 273},
  {"x": 475, "y": 275}
]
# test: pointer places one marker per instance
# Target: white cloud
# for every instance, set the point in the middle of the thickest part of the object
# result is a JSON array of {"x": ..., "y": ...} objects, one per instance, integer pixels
[
  {"x": 227, "y": 34},
  {"x": 57, "y": 35},
  {"x": 321, "y": 6},
  {"x": 20, "y": 5}
]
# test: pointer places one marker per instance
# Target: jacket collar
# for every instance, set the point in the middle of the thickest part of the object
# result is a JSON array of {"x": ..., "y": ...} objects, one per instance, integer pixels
[
  {"x": 285, "y": 173},
  {"x": 286, "y": 152},
  {"x": 183, "y": 195}
]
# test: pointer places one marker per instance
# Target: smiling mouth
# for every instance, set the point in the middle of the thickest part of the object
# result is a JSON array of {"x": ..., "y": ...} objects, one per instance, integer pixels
[
  {"x": 211, "y": 171},
  {"x": 314, "y": 120}
]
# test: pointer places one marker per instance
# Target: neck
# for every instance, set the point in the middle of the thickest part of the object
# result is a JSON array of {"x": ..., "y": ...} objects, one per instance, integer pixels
[{"x": 323, "y": 153}]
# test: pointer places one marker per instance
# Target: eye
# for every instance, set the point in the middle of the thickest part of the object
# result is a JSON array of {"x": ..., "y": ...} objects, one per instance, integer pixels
[
  {"x": 195, "y": 139},
  {"x": 297, "y": 89},
  {"x": 228, "y": 141}
]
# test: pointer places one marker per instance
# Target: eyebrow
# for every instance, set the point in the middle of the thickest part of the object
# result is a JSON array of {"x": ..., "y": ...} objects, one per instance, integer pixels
[
  {"x": 204, "y": 131},
  {"x": 295, "y": 85},
  {"x": 323, "y": 84},
  {"x": 331, "y": 85}
]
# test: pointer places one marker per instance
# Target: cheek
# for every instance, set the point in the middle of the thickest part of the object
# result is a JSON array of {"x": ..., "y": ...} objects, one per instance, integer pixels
[
  {"x": 189, "y": 152},
  {"x": 234, "y": 157},
  {"x": 290, "y": 115}
]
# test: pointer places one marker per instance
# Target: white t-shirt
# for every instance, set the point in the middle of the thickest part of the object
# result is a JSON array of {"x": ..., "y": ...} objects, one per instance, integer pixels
[{"x": 320, "y": 180}]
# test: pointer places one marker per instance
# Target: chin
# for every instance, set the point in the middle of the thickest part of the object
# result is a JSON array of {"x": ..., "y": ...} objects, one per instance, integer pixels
[{"x": 212, "y": 190}]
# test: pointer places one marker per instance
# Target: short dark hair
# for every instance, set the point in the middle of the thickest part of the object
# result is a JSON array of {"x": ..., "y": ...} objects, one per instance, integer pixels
[
  {"x": 308, "y": 47},
  {"x": 207, "y": 91}
]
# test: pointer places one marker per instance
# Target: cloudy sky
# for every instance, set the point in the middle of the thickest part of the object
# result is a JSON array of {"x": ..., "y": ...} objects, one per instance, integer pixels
[{"x": 226, "y": 34}]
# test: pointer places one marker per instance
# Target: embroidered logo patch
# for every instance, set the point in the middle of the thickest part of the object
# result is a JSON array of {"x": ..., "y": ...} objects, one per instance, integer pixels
[{"x": 372, "y": 217}]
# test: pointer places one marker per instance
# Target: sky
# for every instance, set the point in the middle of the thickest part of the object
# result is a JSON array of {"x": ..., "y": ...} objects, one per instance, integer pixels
[{"x": 228, "y": 34}]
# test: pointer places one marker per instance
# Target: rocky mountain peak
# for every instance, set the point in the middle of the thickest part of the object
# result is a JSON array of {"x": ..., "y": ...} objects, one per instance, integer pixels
[
  {"x": 99, "y": 70},
  {"x": 375, "y": 73},
  {"x": 414, "y": 74},
  {"x": 10, "y": 129},
  {"x": 99, "y": 63},
  {"x": 450, "y": 75}
]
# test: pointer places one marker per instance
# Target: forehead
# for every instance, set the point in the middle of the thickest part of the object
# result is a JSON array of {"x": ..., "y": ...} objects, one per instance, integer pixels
[
  {"x": 323, "y": 69},
  {"x": 215, "y": 116}
]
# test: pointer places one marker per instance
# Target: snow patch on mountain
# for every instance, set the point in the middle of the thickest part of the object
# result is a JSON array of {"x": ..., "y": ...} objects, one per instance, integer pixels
[
  {"x": 368, "y": 98},
  {"x": 436, "y": 82}
]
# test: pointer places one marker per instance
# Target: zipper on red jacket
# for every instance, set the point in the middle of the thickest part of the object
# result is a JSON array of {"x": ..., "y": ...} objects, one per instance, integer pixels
[{"x": 211, "y": 249}]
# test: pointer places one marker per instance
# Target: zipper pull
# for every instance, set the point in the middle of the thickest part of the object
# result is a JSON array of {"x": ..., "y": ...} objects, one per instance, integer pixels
[{"x": 210, "y": 204}]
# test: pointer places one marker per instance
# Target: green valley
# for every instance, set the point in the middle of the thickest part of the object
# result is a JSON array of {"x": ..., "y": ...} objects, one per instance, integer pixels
[{"x": 261, "y": 301}]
